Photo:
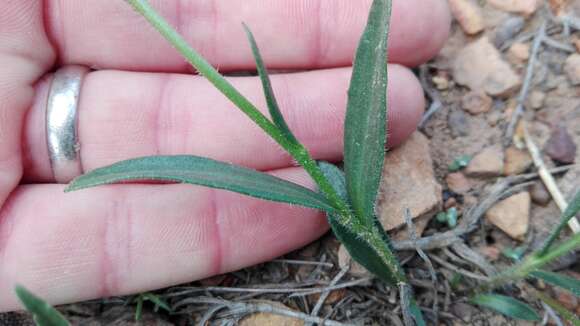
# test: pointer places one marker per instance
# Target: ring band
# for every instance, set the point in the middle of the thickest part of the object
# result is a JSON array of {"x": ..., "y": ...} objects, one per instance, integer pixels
[{"x": 61, "y": 122}]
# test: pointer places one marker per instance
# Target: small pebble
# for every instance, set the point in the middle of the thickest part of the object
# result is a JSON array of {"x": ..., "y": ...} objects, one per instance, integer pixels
[
  {"x": 451, "y": 202},
  {"x": 492, "y": 253},
  {"x": 468, "y": 14},
  {"x": 519, "y": 53},
  {"x": 560, "y": 147},
  {"x": 536, "y": 99},
  {"x": 540, "y": 194},
  {"x": 508, "y": 30},
  {"x": 458, "y": 123},
  {"x": 516, "y": 161},
  {"x": 487, "y": 163},
  {"x": 572, "y": 68},
  {"x": 476, "y": 102},
  {"x": 522, "y": 7},
  {"x": 458, "y": 183}
]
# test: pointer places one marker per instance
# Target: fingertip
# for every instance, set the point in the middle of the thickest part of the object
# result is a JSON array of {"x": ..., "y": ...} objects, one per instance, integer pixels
[
  {"x": 406, "y": 105},
  {"x": 429, "y": 23}
]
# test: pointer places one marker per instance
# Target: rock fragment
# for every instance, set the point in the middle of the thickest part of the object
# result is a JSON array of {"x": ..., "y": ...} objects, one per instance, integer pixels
[
  {"x": 522, "y": 7},
  {"x": 540, "y": 194},
  {"x": 560, "y": 147},
  {"x": 519, "y": 53},
  {"x": 572, "y": 68},
  {"x": 409, "y": 182},
  {"x": 508, "y": 29},
  {"x": 487, "y": 163},
  {"x": 476, "y": 102},
  {"x": 458, "y": 123},
  {"x": 536, "y": 99},
  {"x": 512, "y": 215},
  {"x": 458, "y": 183},
  {"x": 516, "y": 161},
  {"x": 468, "y": 14},
  {"x": 480, "y": 66}
]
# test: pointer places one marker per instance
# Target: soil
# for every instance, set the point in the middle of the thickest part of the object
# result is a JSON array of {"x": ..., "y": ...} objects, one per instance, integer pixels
[{"x": 452, "y": 132}]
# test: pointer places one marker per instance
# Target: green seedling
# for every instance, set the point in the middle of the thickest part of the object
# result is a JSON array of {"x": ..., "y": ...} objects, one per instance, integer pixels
[
  {"x": 459, "y": 163},
  {"x": 531, "y": 267},
  {"x": 156, "y": 300},
  {"x": 449, "y": 217},
  {"x": 349, "y": 198},
  {"x": 514, "y": 254}
]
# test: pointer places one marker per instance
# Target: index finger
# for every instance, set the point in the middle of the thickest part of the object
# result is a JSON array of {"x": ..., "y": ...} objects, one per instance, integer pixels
[{"x": 293, "y": 34}]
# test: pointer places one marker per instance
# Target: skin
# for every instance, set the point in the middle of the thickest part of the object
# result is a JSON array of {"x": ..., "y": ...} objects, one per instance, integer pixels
[{"x": 123, "y": 239}]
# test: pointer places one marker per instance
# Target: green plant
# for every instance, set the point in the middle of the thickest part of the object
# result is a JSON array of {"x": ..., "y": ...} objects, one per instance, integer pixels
[
  {"x": 156, "y": 300},
  {"x": 348, "y": 197},
  {"x": 349, "y": 200},
  {"x": 531, "y": 267},
  {"x": 42, "y": 313}
]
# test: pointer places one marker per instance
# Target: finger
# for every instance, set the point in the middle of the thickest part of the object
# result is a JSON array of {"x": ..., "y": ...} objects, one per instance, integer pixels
[
  {"x": 293, "y": 33},
  {"x": 24, "y": 54},
  {"x": 122, "y": 239},
  {"x": 125, "y": 115}
]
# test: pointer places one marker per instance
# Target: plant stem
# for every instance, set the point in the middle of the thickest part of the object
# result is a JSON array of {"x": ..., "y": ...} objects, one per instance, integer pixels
[
  {"x": 530, "y": 264},
  {"x": 568, "y": 214},
  {"x": 298, "y": 152}
]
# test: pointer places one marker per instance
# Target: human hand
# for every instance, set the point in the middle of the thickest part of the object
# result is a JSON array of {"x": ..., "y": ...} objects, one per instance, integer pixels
[{"x": 122, "y": 239}]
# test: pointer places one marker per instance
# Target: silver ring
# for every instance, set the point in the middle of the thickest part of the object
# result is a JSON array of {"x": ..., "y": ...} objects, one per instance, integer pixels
[{"x": 61, "y": 122}]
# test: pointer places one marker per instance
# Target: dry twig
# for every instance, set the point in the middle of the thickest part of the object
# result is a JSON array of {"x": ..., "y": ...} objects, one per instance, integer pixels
[
  {"x": 538, "y": 40},
  {"x": 548, "y": 179}
]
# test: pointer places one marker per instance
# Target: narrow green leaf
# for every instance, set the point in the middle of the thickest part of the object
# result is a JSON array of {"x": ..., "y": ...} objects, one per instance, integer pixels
[
  {"x": 205, "y": 172},
  {"x": 365, "y": 132},
  {"x": 412, "y": 314},
  {"x": 273, "y": 107},
  {"x": 42, "y": 312},
  {"x": 506, "y": 305},
  {"x": 417, "y": 314},
  {"x": 561, "y": 310},
  {"x": 571, "y": 210},
  {"x": 139, "y": 309},
  {"x": 568, "y": 283},
  {"x": 365, "y": 252},
  {"x": 369, "y": 246},
  {"x": 157, "y": 301}
]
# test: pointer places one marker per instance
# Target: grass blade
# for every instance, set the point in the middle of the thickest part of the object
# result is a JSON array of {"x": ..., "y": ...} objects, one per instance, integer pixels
[
  {"x": 568, "y": 283},
  {"x": 157, "y": 301},
  {"x": 42, "y": 312},
  {"x": 506, "y": 305},
  {"x": 299, "y": 153},
  {"x": 273, "y": 107},
  {"x": 365, "y": 124},
  {"x": 369, "y": 246},
  {"x": 571, "y": 211},
  {"x": 205, "y": 172}
]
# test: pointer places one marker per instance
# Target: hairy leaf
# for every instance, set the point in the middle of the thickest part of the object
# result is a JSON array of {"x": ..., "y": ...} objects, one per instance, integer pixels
[
  {"x": 569, "y": 283},
  {"x": 273, "y": 107},
  {"x": 369, "y": 246},
  {"x": 365, "y": 125},
  {"x": 206, "y": 172},
  {"x": 506, "y": 305},
  {"x": 42, "y": 312}
]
